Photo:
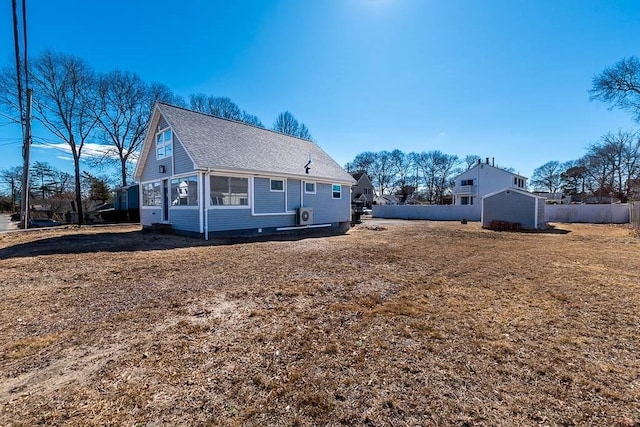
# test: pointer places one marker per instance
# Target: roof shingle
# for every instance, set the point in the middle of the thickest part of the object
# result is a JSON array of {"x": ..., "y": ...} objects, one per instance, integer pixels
[{"x": 225, "y": 144}]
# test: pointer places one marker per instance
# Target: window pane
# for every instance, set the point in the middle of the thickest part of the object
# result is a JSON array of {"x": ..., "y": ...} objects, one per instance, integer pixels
[
  {"x": 167, "y": 135},
  {"x": 277, "y": 185},
  {"x": 336, "y": 189},
  {"x": 228, "y": 191},
  {"x": 184, "y": 191},
  {"x": 168, "y": 149},
  {"x": 310, "y": 187},
  {"x": 151, "y": 195}
]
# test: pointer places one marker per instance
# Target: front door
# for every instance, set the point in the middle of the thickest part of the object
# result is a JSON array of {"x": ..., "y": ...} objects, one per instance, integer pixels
[{"x": 165, "y": 200}]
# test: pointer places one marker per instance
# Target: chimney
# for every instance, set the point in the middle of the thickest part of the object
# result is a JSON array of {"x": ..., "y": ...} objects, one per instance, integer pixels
[
  {"x": 493, "y": 161},
  {"x": 479, "y": 161},
  {"x": 487, "y": 160}
]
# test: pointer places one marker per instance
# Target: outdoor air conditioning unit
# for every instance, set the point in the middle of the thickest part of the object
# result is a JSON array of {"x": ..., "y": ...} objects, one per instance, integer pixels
[{"x": 305, "y": 216}]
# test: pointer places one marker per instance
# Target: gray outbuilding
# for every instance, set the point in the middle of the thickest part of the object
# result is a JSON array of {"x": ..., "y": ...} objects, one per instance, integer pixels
[{"x": 518, "y": 208}]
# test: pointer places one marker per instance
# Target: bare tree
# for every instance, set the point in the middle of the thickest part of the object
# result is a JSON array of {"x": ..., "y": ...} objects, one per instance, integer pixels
[
  {"x": 402, "y": 167},
  {"x": 612, "y": 163},
  {"x": 573, "y": 179},
  {"x": 437, "y": 170},
  {"x": 123, "y": 112},
  {"x": 287, "y": 123},
  {"x": 12, "y": 177},
  {"x": 251, "y": 119},
  {"x": 162, "y": 92},
  {"x": 65, "y": 103},
  {"x": 363, "y": 162},
  {"x": 221, "y": 107},
  {"x": 382, "y": 172},
  {"x": 547, "y": 177},
  {"x": 42, "y": 179},
  {"x": 619, "y": 86},
  {"x": 471, "y": 160}
]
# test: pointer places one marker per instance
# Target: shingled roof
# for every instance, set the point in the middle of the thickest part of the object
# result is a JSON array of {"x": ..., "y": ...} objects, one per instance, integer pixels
[{"x": 215, "y": 143}]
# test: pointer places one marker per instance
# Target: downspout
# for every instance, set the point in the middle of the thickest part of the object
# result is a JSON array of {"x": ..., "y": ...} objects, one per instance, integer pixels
[
  {"x": 535, "y": 217},
  {"x": 204, "y": 204}
]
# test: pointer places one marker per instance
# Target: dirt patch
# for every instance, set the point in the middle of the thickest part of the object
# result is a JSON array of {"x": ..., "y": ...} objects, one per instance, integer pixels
[{"x": 418, "y": 323}]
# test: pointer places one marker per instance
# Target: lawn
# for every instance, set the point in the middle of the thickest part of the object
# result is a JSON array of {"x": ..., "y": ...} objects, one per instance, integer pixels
[{"x": 395, "y": 323}]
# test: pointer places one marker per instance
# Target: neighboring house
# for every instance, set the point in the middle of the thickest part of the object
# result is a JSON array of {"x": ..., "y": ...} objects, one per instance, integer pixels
[
  {"x": 363, "y": 190},
  {"x": 554, "y": 198},
  {"x": 386, "y": 199},
  {"x": 482, "y": 179},
  {"x": 209, "y": 176},
  {"x": 513, "y": 206},
  {"x": 126, "y": 203}
]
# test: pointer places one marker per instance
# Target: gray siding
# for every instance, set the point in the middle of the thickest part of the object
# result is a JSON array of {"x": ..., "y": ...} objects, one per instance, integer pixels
[
  {"x": 325, "y": 208},
  {"x": 293, "y": 194},
  {"x": 162, "y": 124},
  {"x": 185, "y": 219},
  {"x": 150, "y": 172},
  {"x": 509, "y": 206},
  {"x": 241, "y": 219},
  {"x": 181, "y": 159},
  {"x": 150, "y": 216},
  {"x": 265, "y": 200}
]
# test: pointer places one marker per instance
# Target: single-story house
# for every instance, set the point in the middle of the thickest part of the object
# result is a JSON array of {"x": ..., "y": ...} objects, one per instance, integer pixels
[
  {"x": 513, "y": 206},
  {"x": 386, "y": 199},
  {"x": 206, "y": 176}
]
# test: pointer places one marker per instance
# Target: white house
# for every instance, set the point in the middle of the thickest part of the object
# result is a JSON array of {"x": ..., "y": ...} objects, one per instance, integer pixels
[{"x": 483, "y": 179}]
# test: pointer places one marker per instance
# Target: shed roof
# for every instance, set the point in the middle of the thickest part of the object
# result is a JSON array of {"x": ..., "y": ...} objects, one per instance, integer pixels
[
  {"x": 222, "y": 144},
  {"x": 515, "y": 190}
]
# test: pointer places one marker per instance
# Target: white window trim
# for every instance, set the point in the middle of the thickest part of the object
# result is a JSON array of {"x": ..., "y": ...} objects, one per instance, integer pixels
[
  {"x": 165, "y": 143},
  {"x": 336, "y": 198},
  {"x": 249, "y": 179},
  {"x": 142, "y": 184},
  {"x": 185, "y": 175},
  {"x": 314, "y": 187},
  {"x": 271, "y": 185}
]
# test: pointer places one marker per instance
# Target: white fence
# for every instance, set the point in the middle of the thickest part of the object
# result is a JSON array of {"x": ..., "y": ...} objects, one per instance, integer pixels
[
  {"x": 596, "y": 214},
  {"x": 431, "y": 212},
  {"x": 635, "y": 213}
]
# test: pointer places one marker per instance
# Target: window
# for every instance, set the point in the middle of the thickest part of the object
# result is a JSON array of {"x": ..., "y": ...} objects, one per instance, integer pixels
[
  {"x": 515, "y": 180},
  {"x": 310, "y": 187},
  {"x": 466, "y": 182},
  {"x": 164, "y": 144},
  {"x": 184, "y": 191},
  {"x": 229, "y": 191},
  {"x": 336, "y": 189},
  {"x": 366, "y": 190},
  {"x": 277, "y": 185},
  {"x": 151, "y": 194},
  {"x": 466, "y": 200}
]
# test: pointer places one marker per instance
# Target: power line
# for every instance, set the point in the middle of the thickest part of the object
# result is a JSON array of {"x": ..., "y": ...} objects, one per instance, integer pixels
[
  {"x": 16, "y": 43},
  {"x": 24, "y": 34}
]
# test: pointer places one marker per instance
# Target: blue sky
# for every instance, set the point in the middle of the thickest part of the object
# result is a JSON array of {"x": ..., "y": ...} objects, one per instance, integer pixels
[{"x": 507, "y": 79}]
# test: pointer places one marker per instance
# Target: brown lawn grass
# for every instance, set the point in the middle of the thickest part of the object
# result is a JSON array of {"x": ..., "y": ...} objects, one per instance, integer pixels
[{"x": 412, "y": 323}]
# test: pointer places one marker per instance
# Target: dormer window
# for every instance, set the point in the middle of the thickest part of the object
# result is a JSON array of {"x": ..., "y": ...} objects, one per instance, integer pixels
[{"x": 164, "y": 144}]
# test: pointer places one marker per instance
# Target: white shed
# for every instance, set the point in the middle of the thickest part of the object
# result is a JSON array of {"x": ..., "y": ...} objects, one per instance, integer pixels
[{"x": 512, "y": 206}]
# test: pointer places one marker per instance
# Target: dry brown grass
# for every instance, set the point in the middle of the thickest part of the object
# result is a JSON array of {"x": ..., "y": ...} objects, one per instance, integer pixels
[{"x": 404, "y": 323}]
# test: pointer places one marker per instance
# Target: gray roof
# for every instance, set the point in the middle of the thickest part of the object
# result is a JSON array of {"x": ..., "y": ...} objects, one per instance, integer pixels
[{"x": 224, "y": 144}]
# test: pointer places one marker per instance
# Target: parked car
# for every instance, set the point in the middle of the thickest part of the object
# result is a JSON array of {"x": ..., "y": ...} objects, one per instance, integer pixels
[
  {"x": 38, "y": 223},
  {"x": 367, "y": 211}
]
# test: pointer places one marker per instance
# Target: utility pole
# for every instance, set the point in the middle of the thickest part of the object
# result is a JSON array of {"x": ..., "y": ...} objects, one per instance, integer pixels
[{"x": 26, "y": 148}]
